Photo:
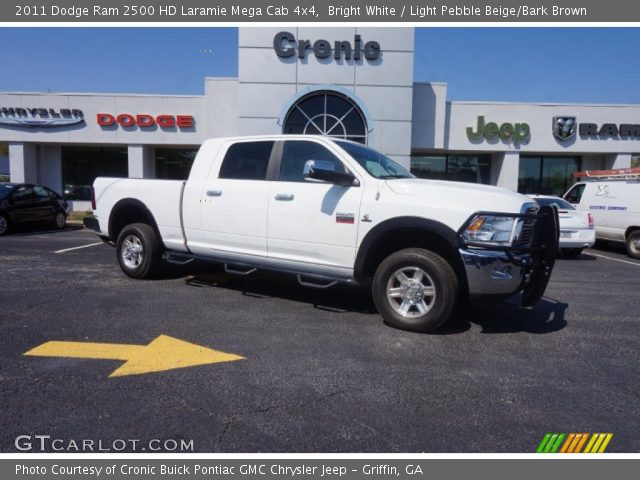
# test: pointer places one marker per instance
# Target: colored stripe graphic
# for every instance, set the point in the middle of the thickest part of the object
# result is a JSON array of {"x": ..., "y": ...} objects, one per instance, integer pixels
[
  {"x": 574, "y": 443},
  {"x": 550, "y": 443}
]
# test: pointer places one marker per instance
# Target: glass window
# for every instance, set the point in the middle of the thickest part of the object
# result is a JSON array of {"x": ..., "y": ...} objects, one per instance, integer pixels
[
  {"x": 174, "y": 163},
  {"x": 471, "y": 169},
  {"x": 22, "y": 194},
  {"x": 327, "y": 113},
  {"x": 575, "y": 194},
  {"x": 558, "y": 202},
  {"x": 429, "y": 166},
  {"x": 41, "y": 192},
  {"x": 81, "y": 166},
  {"x": 635, "y": 160},
  {"x": 246, "y": 161},
  {"x": 5, "y": 190},
  {"x": 546, "y": 175},
  {"x": 529, "y": 174},
  {"x": 377, "y": 164},
  {"x": 295, "y": 154},
  {"x": 557, "y": 174},
  {"x": 458, "y": 168}
]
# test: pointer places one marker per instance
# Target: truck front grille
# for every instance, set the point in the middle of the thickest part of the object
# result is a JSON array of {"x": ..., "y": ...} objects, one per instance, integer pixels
[{"x": 528, "y": 228}]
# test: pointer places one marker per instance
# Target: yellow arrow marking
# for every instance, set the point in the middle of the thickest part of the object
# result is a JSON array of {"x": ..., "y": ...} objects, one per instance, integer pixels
[{"x": 163, "y": 353}]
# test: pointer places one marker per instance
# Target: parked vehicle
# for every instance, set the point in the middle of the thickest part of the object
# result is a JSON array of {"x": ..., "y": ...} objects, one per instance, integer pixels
[
  {"x": 613, "y": 197},
  {"x": 329, "y": 211},
  {"x": 577, "y": 230},
  {"x": 24, "y": 203}
]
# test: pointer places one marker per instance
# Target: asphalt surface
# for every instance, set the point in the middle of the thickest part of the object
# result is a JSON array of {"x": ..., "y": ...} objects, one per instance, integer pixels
[{"x": 322, "y": 372}]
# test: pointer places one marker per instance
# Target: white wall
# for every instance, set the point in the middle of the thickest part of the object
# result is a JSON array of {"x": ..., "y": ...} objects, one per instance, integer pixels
[
  {"x": 429, "y": 116},
  {"x": 268, "y": 83},
  {"x": 540, "y": 118},
  {"x": 214, "y": 116}
]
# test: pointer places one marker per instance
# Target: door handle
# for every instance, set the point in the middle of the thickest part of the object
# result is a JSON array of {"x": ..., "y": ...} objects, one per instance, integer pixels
[
  {"x": 214, "y": 193},
  {"x": 284, "y": 196}
]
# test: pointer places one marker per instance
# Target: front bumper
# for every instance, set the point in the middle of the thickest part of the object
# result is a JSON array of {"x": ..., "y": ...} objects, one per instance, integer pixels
[
  {"x": 503, "y": 272},
  {"x": 493, "y": 272}
]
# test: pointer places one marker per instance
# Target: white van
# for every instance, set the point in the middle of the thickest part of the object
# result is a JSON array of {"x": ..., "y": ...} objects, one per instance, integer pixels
[{"x": 613, "y": 197}]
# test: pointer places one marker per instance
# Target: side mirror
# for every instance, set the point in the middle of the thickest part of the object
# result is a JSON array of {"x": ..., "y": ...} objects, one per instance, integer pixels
[{"x": 325, "y": 171}]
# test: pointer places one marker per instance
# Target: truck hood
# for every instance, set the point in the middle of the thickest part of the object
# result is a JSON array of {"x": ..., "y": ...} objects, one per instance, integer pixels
[{"x": 477, "y": 196}]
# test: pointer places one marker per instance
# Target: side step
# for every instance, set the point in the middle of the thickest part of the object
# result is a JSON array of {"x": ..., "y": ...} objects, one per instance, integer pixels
[
  {"x": 178, "y": 258},
  {"x": 235, "y": 271},
  {"x": 313, "y": 284}
]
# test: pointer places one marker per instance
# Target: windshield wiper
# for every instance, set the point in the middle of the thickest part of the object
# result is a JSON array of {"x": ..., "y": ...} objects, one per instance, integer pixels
[{"x": 386, "y": 177}]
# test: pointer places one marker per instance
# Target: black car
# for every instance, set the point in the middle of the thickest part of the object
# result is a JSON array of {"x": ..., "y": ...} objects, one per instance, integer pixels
[{"x": 24, "y": 203}]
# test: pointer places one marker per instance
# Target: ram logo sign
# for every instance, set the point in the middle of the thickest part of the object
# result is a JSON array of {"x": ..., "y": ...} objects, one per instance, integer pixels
[{"x": 564, "y": 127}]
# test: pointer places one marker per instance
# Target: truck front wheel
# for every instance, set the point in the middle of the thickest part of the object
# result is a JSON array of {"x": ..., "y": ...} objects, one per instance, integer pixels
[
  {"x": 633, "y": 244},
  {"x": 415, "y": 289},
  {"x": 138, "y": 251}
]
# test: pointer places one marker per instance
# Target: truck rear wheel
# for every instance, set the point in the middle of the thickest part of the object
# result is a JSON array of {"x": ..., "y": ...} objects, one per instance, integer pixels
[
  {"x": 415, "y": 289},
  {"x": 138, "y": 250},
  {"x": 633, "y": 244}
]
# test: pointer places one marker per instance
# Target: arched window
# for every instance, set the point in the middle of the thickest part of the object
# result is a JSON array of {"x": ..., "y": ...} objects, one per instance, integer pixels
[{"x": 328, "y": 113}]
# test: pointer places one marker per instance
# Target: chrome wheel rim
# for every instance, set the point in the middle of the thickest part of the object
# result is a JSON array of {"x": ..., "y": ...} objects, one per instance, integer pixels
[
  {"x": 3, "y": 225},
  {"x": 132, "y": 252},
  {"x": 411, "y": 292},
  {"x": 60, "y": 220},
  {"x": 634, "y": 243}
]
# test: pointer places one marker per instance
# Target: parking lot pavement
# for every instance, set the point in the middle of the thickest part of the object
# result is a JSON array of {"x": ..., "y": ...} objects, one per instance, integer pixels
[{"x": 320, "y": 373}]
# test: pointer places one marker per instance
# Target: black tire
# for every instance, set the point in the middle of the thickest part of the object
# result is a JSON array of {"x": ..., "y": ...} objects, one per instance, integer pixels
[
  {"x": 59, "y": 220},
  {"x": 4, "y": 224},
  {"x": 571, "y": 252},
  {"x": 139, "y": 238},
  {"x": 440, "y": 278},
  {"x": 633, "y": 244}
]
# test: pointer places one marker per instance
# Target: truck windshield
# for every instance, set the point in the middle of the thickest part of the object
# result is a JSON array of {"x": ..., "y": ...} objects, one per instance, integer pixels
[{"x": 377, "y": 164}]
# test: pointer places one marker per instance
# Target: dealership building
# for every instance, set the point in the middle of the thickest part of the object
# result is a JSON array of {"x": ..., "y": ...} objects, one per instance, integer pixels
[{"x": 354, "y": 83}]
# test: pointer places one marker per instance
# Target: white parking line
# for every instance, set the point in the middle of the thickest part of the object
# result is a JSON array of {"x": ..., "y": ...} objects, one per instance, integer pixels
[
  {"x": 64, "y": 250},
  {"x": 614, "y": 259}
]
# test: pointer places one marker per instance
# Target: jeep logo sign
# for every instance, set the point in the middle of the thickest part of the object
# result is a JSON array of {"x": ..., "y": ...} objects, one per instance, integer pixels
[
  {"x": 286, "y": 45},
  {"x": 508, "y": 132}
]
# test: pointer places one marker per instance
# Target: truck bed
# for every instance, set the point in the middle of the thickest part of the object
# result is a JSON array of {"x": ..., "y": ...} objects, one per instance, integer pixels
[{"x": 162, "y": 197}]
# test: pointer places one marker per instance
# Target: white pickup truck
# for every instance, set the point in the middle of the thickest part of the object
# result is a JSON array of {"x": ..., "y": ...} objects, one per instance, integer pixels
[{"x": 329, "y": 211}]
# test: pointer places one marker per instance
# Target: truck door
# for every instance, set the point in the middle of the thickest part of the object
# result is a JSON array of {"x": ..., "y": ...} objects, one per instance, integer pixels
[
  {"x": 234, "y": 202},
  {"x": 312, "y": 221}
]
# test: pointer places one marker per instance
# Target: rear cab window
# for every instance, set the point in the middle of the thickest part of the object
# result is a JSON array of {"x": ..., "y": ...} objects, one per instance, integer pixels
[{"x": 247, "y": 161}]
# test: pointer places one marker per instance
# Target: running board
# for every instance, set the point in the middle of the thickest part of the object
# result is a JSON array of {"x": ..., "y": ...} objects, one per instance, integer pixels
[
  {"x": 177, "y": 258},
  {"x": 234, "y": 271},
  {"x": 330, "y": 283}
]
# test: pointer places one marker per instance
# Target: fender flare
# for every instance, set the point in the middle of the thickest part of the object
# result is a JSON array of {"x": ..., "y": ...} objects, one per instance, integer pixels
[
  {"x": 383, "y": 228},
  {"x": 131, "y": 203}
]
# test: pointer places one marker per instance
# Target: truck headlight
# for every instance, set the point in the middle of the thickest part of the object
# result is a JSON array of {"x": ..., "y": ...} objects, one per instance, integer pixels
[{"x": 491, "y": 229}]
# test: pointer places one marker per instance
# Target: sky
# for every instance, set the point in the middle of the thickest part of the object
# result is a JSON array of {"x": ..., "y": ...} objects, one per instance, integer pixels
[{"x": 582, "y": 65}]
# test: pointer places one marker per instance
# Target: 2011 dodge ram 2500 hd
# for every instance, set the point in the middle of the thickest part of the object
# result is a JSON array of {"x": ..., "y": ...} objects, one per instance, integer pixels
[{"x": 330, "y": 210}]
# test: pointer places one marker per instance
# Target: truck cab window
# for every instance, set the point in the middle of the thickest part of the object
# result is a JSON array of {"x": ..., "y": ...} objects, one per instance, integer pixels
[
  {"x": 296, "y": 153},
  {"x": 575, "y": 194},
  {"x": 246, "y": 161}
]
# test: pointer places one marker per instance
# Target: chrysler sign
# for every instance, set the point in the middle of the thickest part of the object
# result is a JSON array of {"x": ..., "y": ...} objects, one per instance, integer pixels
[{"x": 40, "y": 117}]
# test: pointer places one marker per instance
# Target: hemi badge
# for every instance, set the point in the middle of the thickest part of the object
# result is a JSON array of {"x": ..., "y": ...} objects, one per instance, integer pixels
[{"x": 345, "y": 217}]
